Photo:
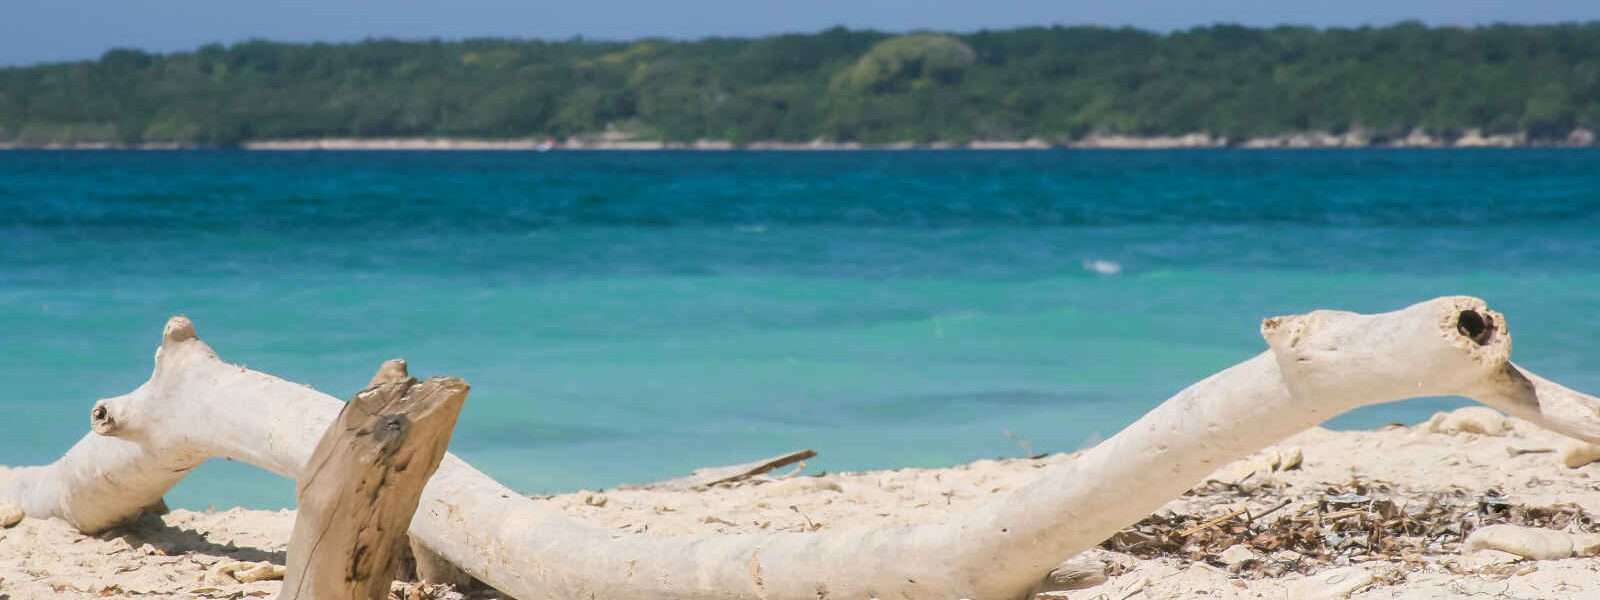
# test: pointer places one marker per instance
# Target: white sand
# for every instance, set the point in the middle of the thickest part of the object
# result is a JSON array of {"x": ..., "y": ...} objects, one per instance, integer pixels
[{"x": 181, "y": 555}]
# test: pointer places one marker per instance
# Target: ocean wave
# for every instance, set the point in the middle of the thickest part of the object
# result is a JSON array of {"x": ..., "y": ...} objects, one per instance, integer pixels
[{"x": 1102, "y": 267}]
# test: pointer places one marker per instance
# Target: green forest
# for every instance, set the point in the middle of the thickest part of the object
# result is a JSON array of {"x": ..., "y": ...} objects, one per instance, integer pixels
[{"x": 1054, "y": 83}]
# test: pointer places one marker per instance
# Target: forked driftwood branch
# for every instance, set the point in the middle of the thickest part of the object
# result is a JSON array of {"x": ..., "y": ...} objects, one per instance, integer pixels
[
  {"x": 1318, "y": 365},
  {"x": 360, "y": 489}
]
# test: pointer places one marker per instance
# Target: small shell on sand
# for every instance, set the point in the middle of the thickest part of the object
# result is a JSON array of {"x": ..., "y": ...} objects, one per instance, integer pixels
[{"x": 10, "y": 515}]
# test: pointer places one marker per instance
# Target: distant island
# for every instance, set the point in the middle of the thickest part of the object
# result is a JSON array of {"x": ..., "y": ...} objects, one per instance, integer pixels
[{"x": 1403, "y": 85}]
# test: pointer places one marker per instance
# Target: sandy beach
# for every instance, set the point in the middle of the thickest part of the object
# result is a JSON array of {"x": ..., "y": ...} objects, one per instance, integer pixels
[
  {"x": 1355, "y": 138},
  {"x": 1474, "y": 477}
]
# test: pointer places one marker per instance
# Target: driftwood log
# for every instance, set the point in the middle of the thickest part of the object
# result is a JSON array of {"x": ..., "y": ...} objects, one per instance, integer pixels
[
  {"x": 1318, "y": 365},
  {"x": 361, "y": 486}
]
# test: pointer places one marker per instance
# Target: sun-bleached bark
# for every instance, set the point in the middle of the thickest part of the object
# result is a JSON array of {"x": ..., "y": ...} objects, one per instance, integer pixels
[
  {"x": 1318, "y": 365},
  {"x": 362, "y": 484}
]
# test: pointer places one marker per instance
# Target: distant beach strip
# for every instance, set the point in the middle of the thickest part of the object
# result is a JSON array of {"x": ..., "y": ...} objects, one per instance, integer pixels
[{"x": 1417, "y": 138}]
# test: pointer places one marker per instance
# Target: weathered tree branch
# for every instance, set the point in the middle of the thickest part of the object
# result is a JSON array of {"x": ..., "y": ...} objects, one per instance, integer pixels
[
  {"x": 361, "y": 486},
  {"x": 1318, "y": 365}
]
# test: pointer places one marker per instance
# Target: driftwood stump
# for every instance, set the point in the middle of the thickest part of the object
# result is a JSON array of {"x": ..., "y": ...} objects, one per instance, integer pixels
[{"x": 362, "y": 485}]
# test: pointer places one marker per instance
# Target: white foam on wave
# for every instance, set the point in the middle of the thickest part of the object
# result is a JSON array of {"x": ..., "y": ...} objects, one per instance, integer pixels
[{"x": 1102, "y": 267}]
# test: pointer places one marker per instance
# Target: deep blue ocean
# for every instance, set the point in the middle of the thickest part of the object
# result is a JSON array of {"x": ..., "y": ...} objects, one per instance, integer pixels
[{"x": 624, "y": 317}]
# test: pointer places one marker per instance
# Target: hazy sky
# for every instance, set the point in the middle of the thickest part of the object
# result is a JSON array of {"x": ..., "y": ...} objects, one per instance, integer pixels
[{"x": 48, "y": 30}]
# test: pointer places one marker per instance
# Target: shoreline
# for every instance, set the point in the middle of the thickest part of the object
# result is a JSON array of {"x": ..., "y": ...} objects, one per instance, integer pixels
[{"x": 1355, "y": 139}]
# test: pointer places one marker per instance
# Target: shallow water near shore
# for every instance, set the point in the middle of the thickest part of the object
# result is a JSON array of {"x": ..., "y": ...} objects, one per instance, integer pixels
[{"x": 624, "y": 317}]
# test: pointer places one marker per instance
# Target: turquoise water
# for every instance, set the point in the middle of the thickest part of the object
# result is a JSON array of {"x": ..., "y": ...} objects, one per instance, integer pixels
[{"x": 630, "y": 316}]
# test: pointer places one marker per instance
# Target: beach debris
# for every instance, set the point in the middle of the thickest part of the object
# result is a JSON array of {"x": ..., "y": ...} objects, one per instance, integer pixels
[
  {"x": 1532, "y": 542},
  {"x": 423, "y": 590},
  {"x": 1334, "y": 583},
  {"x": 10, "y": 514},
  {"x": 232, "y": 573},
  {"x": 1515, "y": 451},
  {"x": 1290, "y": 458},
  {"x": 1576, "y": 454},
  {"x": 62, "y": 585},
  {"x": 1236, "y": 556},
  {"x": 1268, "y": 461},
  {"x": 1213, "y": 522},
  {"x": 810, "y": 525},
  {"x": 434, "y": 568},
  {"x": 1481, "y": 420},
  {"x": 1077, "y": 573},
  {"x": 1027, "y": 449},
  {"x": 1355, "y": 522},
  {"x": 1134, "y": 588},
  {"x": 1488, "y": 558},
  {"x": 705, "y": 477}
]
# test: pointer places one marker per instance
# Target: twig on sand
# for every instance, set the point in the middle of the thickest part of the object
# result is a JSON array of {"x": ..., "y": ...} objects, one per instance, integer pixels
[
  {"x": 1270, "y": 510},
  {"x": 1212, "y": 523},
  {"x": 709, "y": 476}
]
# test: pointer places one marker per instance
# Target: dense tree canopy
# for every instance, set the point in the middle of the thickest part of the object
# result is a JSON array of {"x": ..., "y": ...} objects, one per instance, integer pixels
[{"x": 838, "y": 84}]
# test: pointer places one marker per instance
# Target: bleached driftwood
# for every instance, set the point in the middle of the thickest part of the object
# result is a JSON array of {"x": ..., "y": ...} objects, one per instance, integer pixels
[
  {"x": 1576, "y": 453},
  {"x": 709, "y": 476},
  {"x": 1319, "y": 365},
  {"x": 1533, "y": 543},
  {"x": 362, "y": 483}
]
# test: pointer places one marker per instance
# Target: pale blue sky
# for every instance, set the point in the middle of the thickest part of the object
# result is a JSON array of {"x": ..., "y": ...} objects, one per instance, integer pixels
[{"x": 50, "y": 30}]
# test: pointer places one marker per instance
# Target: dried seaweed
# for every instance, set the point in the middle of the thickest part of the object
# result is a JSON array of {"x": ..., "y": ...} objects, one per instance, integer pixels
[{"x": 1356, "y": 521}]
